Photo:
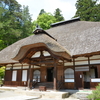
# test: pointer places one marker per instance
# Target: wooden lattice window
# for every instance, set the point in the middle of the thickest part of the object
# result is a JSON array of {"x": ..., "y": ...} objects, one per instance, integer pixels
[
  {"x": 36, "y": 75},
  {"x": 69, "y": 75}
]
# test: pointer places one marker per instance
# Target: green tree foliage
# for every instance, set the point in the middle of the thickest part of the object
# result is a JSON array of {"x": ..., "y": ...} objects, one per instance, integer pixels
[
  {"x": 58, "y": 15},
  {"x": 42, "y": 11},
  {"x": 88, "y": 10},
  {"x": 15, "y": 22},
  {"x": 44, "y": 20},
  {"x": 26, "y": 23}
]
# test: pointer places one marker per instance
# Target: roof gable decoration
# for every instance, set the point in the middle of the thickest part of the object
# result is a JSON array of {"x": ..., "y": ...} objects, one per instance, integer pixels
[{"x": 39, "y": 30}]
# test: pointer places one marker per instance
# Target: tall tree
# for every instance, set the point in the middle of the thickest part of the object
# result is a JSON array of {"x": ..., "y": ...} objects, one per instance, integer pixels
[
  {"x": 42, "y": 11},
  {"x": 15, "y": 22},
  {"x": 58, "y": 15},
  {"x": 88, "y": 10},
  {"x": 10, "y": 20},
  {"x": 26, "y": 22}
]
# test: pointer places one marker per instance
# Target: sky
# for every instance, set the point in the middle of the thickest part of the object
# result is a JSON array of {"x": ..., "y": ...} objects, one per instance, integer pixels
[{"x": 66, "y": 6}]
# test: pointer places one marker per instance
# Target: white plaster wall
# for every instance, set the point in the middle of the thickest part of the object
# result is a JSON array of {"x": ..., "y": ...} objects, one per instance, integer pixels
[
  {"x": 95, "y": 57},
  {"x": 94, "y": 61},
  {"x": 81, "y": 58},
  {"x": 68, "y": 64},
  {"x": 81, "y": 63},
  {"x": 16, "y": 67}
]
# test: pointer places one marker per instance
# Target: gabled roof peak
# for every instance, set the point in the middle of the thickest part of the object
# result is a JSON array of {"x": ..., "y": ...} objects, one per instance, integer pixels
[
  {"x": 39, "y": 30},
  {"x": 65, "y": 22}
]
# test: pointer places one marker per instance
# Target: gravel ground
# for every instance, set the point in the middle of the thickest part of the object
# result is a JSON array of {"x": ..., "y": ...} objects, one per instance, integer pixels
[{"x": 11, "y": 95}]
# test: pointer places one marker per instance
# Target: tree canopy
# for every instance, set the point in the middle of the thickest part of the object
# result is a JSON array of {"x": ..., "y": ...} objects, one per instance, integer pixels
[
  {"x": 42, "y": 11},
  {"x": 15, "y": 22},
  {"x": 58, "y": 15},
  {"x": 88, "y": 10},
  {"x": 44, "y": 20}
]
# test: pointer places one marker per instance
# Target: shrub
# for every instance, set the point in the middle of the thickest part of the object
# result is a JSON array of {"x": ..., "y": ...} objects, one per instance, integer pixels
[{"x": 95, "y": 93}]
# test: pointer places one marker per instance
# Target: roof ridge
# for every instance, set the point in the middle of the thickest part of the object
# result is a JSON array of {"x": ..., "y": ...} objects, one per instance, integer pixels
[{"x": 65, "y": 22}]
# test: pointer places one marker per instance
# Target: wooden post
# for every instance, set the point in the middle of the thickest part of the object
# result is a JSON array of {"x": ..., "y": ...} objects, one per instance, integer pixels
[
  {"x": 32, "y": 76},
  {"x": 63, "y": 77},
  {"x": 11, "y": 73},
  {"x": 89, "y": 70},
  {"x": 55, "y": 74},
  {"x": 89, "y": 62},
  {"x": 29, "y": 72},
  {"x": 21, "y": 73},
  {"x": 74, "y": 73}
]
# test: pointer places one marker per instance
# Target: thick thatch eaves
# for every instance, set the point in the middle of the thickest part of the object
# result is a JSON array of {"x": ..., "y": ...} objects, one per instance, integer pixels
[{"x": 12, "y": 51}]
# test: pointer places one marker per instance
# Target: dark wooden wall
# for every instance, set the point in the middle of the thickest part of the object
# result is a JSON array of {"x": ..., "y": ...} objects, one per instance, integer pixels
[
  {"x": 60, "y": 73},
  {"x": 43, "y": 71},
  {"x": 78, "y": 80},
  {"x": 8, "y": 78}
]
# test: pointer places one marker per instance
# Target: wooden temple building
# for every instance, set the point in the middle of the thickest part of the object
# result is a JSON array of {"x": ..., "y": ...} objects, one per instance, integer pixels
[{"x": 67, "y": 56}]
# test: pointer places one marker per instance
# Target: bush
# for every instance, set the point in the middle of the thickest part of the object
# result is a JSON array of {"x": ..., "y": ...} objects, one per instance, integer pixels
[
  {"x": 1, "y": 82},
  {"x": 95, "y": 93}
]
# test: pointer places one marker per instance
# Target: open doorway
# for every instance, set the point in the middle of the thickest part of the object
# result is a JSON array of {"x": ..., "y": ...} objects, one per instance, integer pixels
[
  {"x": 88, "y": 75},
  {"x": 86, "y": 80},
  {"x": 50, "y": 74}
]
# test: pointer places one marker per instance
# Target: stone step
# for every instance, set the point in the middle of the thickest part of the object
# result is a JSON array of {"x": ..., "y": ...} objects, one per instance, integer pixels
[{"x": 83, "y": 95}]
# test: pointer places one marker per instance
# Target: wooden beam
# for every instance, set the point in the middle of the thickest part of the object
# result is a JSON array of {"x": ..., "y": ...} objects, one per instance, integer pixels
[{"x": 42, "y": 62}]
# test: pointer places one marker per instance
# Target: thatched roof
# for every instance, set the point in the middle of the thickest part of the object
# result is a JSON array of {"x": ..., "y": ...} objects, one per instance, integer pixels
[
  {"x": 12, "y": 51},
  {"x": 78, "y": 37}
]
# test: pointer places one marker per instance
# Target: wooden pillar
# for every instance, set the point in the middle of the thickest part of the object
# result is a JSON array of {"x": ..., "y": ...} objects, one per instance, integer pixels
[
  {"x": 89, "y": 70},
  {"x": 29, "y": 72},
  {"x": 31, "y": 75},
  {"x": 89, "y": 64},
  {"x": 63, "y": 77},
  {"x": 21, "y": 74},
  {"x": 11, "y": 73},
  {"x": 89, "y": 61},
  {"x": 55, "y": 74},
  {"x": 74, "y": 73}
]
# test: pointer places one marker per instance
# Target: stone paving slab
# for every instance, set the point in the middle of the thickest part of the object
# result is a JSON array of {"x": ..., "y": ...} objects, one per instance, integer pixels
[
  {"x": 11, "y": 95},
  {"x": 19, "y": 98},
  {"x": 35, "y": 94},
  {"x": 32, "y": 98}
]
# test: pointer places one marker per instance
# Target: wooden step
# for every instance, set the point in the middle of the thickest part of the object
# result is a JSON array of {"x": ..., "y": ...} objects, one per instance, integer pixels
[{"x": 46, "y": 84}]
